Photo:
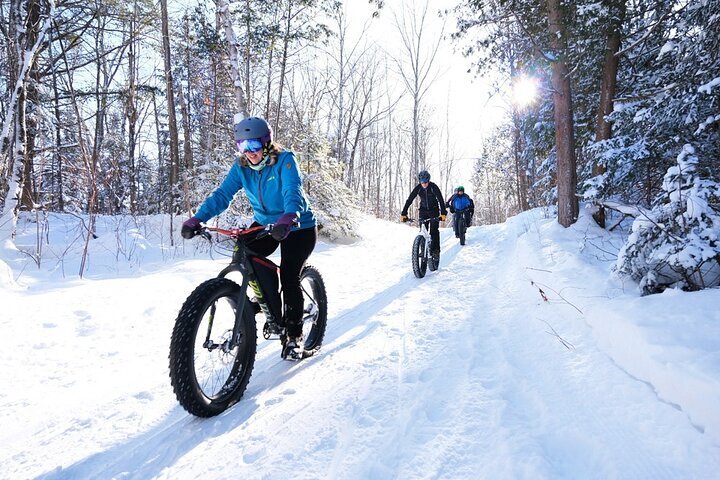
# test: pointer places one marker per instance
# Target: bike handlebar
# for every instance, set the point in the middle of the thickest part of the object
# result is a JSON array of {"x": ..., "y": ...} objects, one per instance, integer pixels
[
  {"x": 237, "y": 233},
  {"x": 423, "y": 220},
  {"x": 249, "y": 233}
]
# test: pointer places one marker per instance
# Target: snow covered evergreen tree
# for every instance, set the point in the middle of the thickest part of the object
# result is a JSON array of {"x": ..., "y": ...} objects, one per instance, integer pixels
[
  {"x": 677, "y": 243},
  {"x": 668, "y": 96}
]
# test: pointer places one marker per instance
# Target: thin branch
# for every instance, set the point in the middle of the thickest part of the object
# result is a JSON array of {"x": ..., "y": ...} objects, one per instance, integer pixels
[{"x": 554, "y": 333}]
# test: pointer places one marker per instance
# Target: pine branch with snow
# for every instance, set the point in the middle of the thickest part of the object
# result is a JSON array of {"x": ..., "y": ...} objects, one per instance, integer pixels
[{"x": 677, "y": 244}]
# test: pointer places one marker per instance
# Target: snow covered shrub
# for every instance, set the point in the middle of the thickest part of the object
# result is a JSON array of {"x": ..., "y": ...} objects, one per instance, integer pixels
[
  {"x": 334, "y": 204},
  {"x": 677, "y": 243}
]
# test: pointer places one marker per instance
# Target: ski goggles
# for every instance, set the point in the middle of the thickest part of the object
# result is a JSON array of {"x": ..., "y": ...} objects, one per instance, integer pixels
[{"x": 251, "y": 145}]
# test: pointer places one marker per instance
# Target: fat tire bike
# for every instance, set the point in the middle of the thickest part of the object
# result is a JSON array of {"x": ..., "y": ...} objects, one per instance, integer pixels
[
  {"x": 461, "y": 224},
  {"x": 421, "y": 255},
  {"x": 214, "y": 341}
]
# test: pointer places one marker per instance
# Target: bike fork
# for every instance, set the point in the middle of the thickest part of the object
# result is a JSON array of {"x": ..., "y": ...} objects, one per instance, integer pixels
[{"x": 242, "y": 301}]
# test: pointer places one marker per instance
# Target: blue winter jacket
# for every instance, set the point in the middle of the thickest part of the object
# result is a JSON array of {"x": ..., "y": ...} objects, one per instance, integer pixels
[
  {"x": 460, "y": 202},
  {"x": 272, "y": 191}
]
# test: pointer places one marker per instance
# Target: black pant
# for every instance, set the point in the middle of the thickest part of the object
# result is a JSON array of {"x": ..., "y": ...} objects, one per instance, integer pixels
[
  {"x": 456, "y": 220},
  {"x": 434, "y": 233},
  {"x": 294, "y": 252}
]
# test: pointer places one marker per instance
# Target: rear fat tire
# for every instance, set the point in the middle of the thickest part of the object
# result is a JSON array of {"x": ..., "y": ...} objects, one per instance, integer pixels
[
  {"x": 314, "y": 335},
  {"x": 419, "y": 260},
  {"x": 185, "y": 335}
]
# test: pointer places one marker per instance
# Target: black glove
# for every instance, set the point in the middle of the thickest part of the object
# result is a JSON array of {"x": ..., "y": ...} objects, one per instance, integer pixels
[{"x": 190, "y": 228}]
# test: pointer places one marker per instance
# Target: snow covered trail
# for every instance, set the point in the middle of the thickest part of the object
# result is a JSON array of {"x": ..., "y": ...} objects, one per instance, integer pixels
[{"x": 466, "y": 373}]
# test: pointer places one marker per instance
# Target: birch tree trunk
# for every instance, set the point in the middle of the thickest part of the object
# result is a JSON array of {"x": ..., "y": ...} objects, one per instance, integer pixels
[
  {"x": 223, "y": 10},
  {"x": 28, "y": 36}
]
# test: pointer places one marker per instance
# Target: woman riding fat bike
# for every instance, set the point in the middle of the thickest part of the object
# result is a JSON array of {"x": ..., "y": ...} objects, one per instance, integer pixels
[
  {"x": 214, "y": 340},
  {"x": 271, "y": 179}
]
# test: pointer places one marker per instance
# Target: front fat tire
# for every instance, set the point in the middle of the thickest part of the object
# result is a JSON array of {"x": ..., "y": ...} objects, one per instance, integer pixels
[
  {"x": 419, "y": 260},
  {"x": 182, "y": 350},
  {"x": 462, "y": 228},
  {"x": 311, "y": 276}
]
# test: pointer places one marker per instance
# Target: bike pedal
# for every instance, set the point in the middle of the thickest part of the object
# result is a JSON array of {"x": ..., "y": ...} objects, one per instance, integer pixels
[{"x": 270, "y": 329}]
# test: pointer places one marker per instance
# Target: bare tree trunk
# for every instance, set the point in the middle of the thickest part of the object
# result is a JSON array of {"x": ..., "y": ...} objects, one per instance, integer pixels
[
  {"x": 159, "y": 142},
  {"x": 86, "y": 160},
  {"x": 419, "y": 78},
  {"x": 517, "y": 149},
  {"x": 131, "y": 111},
  {"x": 57, "y": 169},
  {"x": 174, "y": 161},
  {"x": 564, "y": 125},
  {"x": 283, "y": 66},
  {"x": 223, "y": 11},
  {"x": 99, "y": 134},
  {"x": 447, "y": 153},
  {"x": 341, "y": 141},
  {"x": 187, "y": 163},
  {"x": 268, "y": 83},
  {"x": 247, "y": 98},
  {"x": 603, "y": 130}
]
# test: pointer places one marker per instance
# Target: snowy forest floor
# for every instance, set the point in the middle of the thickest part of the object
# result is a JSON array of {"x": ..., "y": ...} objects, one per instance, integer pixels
[{"x": 521, "y": 357}]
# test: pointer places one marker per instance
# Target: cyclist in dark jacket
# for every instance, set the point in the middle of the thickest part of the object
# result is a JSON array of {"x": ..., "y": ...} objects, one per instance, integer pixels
[
  {"x": 460, "y": 202},
  {"x": 431, "y": 205}
]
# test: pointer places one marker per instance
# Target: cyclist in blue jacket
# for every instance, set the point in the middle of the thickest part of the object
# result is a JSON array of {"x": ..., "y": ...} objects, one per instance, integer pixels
[
  {"x": 463, "y": 204},
  {"x": 271, "y": 179}
]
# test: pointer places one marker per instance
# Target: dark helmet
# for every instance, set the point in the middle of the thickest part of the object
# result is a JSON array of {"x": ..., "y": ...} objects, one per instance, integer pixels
[
  {"x": 253, "y": 127},
  {"x": 460, "y": 188},
  {"x": 424, "y": 176}
]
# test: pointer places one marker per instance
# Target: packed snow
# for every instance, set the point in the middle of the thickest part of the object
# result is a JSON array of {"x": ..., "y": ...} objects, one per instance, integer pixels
[{"x": 523, "y": 356}]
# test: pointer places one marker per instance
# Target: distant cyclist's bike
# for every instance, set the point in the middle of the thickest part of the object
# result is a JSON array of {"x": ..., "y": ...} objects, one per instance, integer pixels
[
  {"x": 461, "y": 224},
  {"x": 422, "y": 257},
  {"x": 213, "y": 345}
]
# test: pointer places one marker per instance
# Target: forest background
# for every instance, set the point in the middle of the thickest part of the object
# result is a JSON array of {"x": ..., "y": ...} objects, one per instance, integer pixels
[{"x": 126, "y": 108}]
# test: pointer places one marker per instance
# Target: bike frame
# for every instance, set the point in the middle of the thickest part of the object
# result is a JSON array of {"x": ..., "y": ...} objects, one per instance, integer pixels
[
  {"x": 425, "y": 232},
  {"x": 461, "y": 214},
  {"x": 242, "y": 262},
  {"x": 428, "y": 239},
  {"x": 423, "y": 258}
]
